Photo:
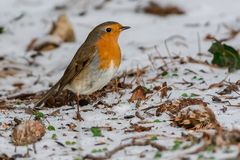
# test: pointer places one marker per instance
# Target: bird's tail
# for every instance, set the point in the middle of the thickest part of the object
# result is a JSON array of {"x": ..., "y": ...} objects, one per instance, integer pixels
[{"x": 49, "y": 93}]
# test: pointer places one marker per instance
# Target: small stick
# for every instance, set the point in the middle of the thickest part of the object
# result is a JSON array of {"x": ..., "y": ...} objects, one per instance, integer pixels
[
  {"x": 139, "y": 116},
  {"x": 109, "y": 154}
]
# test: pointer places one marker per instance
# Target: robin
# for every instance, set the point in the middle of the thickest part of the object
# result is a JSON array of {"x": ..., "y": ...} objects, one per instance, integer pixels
[{"x": 93, "y": 65}]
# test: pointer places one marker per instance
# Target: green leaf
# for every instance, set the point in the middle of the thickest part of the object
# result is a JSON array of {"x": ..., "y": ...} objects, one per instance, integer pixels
[
  {"x": 194, "y": 95},
  {"x": 210, "y": 148},
  {"x": 158, "y": 155},
  {"x": 225, "y": 56},
  {"x": 200, "y": 157},
  {"x": 1, "y": 29},
  {"x": 154, "y": 138},
  {"x": 51, "y": 128},
  {"x": 96, "y": 132},
  {"x": 39, "y": 115},
  {"x": 175, "y": 75},
  {"x": 157, "y": 121},
  {"x": 54, "y": 136},
  {"x": 164, "y": 73},
  {"x": 177, "y": 145},
  {"x": 70, "y": 142},
  {"x": 184, "y": 95},
  {"x": 99, "y": 150}
]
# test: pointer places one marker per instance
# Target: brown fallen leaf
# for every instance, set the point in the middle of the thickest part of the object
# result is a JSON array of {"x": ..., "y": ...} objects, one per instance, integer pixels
[
  {"x": 28, "y": 132},
  {"x": 229, "y": 89},
  {"x": 216, "y": 85},
  {"x": 163, "y": 89},
  {"x": 209, "y": 37},
  {"x": 18, "y": 85},
  {"x": 154, "y": 8},
  {"x": 71, "y": 126},
  {"x": 2, "y": 104},
  {"x": 190, "y": 118},
  {"x": 62, "y": 31},
  {"x": 7, "y": 72},
  {"x": 5, "y": 157},
  {"x": 222, "y": 137},
  {"x": 138, "y": 128},
  {"x": 139, "y": 93},
  {"x": 175, "y": 106},
  {"x": 194, "y": 118}
]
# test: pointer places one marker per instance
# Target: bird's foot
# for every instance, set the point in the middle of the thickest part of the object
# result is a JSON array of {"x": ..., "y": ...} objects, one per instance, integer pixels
[{"x": 78, "y": 117}]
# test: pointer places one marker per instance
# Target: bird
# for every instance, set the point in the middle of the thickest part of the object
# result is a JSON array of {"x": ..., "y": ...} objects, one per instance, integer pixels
[{"x": 93, "y": 65}]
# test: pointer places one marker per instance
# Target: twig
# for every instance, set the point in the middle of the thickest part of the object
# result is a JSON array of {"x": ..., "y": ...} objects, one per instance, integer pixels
[
  {"x": 22, "y": 96},
  {"x": 139, "y": 116},
  {"x": 199, "y": 42},
  {"x": 182, "y": 153},
  {"x": 160, "y": 56},
  {"x": 168, "y": 51},
  {"x": 109, "y": 154},
  {"x": 148, "y": 108}
]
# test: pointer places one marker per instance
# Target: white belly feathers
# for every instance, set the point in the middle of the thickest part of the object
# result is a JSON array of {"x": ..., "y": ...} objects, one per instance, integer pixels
[{"x": 91, "y": 80}]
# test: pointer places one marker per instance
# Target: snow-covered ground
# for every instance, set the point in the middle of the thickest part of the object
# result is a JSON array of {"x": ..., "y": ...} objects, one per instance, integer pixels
[{"x": 185, "y": 36}]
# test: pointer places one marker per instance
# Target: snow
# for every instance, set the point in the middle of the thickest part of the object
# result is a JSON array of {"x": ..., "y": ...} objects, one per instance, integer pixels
[{"x": 148, "y": 31}]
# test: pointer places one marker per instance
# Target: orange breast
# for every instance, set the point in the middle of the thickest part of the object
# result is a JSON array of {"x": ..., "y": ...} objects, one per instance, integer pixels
[{"x": 108, "y": 51}]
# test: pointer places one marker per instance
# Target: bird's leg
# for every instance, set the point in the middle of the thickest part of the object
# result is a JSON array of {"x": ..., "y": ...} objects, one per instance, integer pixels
[
  {"x": 78, "y": 117},
  {"x": 34, "y": 148},
  {"x": 27, "y": 154}
]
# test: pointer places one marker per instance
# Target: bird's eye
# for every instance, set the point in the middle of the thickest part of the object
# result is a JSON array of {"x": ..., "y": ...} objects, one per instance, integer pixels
[{"x": 108, "y": 29}]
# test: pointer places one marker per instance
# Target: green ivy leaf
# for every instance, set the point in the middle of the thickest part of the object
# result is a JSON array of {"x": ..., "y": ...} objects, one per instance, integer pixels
[
  {"x": 225, "y": 56},
  {"x": 210, "y": 148},
  {"x": 157, "y": 121},
  {"x": 177, "y": 145},
  {"x": 158, "y": 155},
  {"x": 99, "y": 150},
  {"x": 54, "y": 136},
  {"x": 164, "y": 73},
  {"x": 39, "y": 115},
  {"x": 70, "y": 142},
  {"x": 96, "y": 132},
  {"x": 51, "y": 128},
  {"x": 184, "y": 95},
  {"x": 154, "y": 138}
]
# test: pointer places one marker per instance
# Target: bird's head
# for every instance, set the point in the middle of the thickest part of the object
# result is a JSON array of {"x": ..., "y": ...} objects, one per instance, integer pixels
[{"x": 107, "y": 30}]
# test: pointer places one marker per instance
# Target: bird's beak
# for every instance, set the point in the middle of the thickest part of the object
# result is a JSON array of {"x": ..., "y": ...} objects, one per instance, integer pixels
[{"x": 125, "y": 27}]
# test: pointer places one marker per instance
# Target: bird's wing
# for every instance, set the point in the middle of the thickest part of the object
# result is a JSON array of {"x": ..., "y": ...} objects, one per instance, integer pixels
[{"x": 82, "y": 58}]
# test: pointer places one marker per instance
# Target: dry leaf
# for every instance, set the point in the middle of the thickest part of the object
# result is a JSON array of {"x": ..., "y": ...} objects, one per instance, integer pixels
[
  {"x": 163, "y": 89},
  {"x": 176, "y": 106},
  {"x": 28, "y": 132},
  {"x": 62, "y": 31},
  {"x": 18, "y": 85},
  {"x": 194, "y": 117},
  {"x": 229, "y": 89},
  {"x": 222, "y": 137},
  {"x": 72, "y": 126},
  {"x": 7, "y": 72},
  {"x": 138, "y": 128},
  {"x": 154, "y": 8},
  {"x": 5, "y": 157},
  {"x": 139, "y": 93},
  {"x": 216, "y": 85},
  {"x": 209, "y": 37},
  {"x": 185, "y": 116}
]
